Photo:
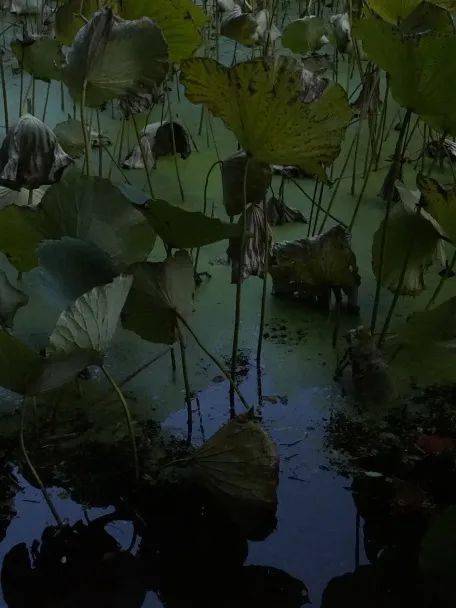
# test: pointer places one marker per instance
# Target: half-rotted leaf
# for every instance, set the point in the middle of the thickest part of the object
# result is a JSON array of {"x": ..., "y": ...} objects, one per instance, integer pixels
[
  {"x": 11, "y": 299},
  {"x": 405, "y": 220},
  {"x": 440, "y": 203},
  {"x": 115, "y": 57},
  {"x": 39, "y": 56},
  {"x": 179, "y": 20},
  {"x": 305, "y": 35},
  {"x": 87, "y": 208},
  {"x": 183, "y": 229},
  {"x": 259, "y": 101},
  {"x": 161, "y": 291},
  {"x": 239, "y": 467},
  {"x": 91, "y": 322}
]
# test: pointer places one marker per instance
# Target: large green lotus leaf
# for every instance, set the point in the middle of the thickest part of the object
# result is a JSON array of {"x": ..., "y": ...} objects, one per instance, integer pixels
[
  {"x": 115, "y": 58},
  {"x": 87, "y": 208},
  {"x": 440, "y": 203},
  {"x": 436, "y": 327},
  {"x": 41, "y": 57},
  {"x": 305, "y": 35},
  {"x": 75, "y": 266},
  {"x": 183, "y": 229},
  {"x": 420, "y": 68},
  {"x": 11, "y": 299},
  {"x": 395, "y": 11},
  {"x": 17, "y": 363},
  {"x": 179, "y": 20},
  {"x": 160, "y": 290},
  {"x": 403, "y": 222},
  {"x": 260, "y": 102},
  {"x": 91, "y": 322}
]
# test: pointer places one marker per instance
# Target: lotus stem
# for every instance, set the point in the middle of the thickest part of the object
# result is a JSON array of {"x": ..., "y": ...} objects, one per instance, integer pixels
[
  {"x": 237, "y": 316},
  {"x": 355, "y": 159},
  {"x": 442, "y": 282},
  {"x": 4, "y": 91},
  {"x": 100, "y": 147},
  {"x": 336, "y": 189},
  {"x": 85, "y": 135},
  {"x": 188, "y": 393},
  {"x": 301, "y": 189},
  {"x": 397, "y": 159},
  {"x": 206, "y": 184},
  {"x": 128, "y": 417},
  {"x": 382, "y": 124},
  {"x": 143, "y": 156},
  {"x": 265, "y": 283},
  {"x": 215, "y": 360},
  {"x": 48, "y": 89},
  {"x": 176, "y": 165},
  {"x": 33, "y": 470},
  {"x": 362, "y": 192}
]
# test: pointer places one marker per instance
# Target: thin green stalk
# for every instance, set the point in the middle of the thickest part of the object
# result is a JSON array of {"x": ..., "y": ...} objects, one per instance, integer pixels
[
  {"x": 336, "y": 189},
  {"x": 100, "y": 146},
  {"x": 397, "y": 158},
  {"x": 127, "y": 416},
  {"x": 4, "y": 91},
  {"x": 144, "y": 159},
  {"x": 362, "y": 192},
  {"x": 216, "y": 361},
  {"x": 206, "y": 184},
  {"x": 48, "y": 89},
  {"x": 85, "y": 135},
  {"x": 173, "y": 139},
  {"x": 237, "y": 316},
  {"x": 188, "y": 393},
  {"x": 265, "y": 282},
  {"x": 34, "y": 472}
]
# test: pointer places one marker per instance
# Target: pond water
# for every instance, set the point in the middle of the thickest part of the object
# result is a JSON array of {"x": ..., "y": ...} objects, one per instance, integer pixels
[{"x": 319, "y": 533}]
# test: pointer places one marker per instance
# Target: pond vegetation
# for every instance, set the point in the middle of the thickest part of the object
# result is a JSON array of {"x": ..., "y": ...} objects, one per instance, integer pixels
[{"x": 227, "y": 303}]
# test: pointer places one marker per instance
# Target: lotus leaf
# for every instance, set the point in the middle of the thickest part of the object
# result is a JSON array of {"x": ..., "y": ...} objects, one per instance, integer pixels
[
  {"x": 305, "y": 35},
  {"x": 440, "y": 203},
  {"x": 258, "y": 180},
  {"x": 39, "y": 56}
]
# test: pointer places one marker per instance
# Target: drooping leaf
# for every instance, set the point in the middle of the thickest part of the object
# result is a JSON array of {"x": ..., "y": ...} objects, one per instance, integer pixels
[
  {"x": 411, "y": 60},
  {"x": 30, "y": 155},
  {"x": 406, "y": 219},
  {"x": 183, "y": 229},
  {"x": 11, "y": 299},
  {"x": 39, "y": 56},
  {"x": 179, "y": 20},
  {"x": 239, "y": 467},
  {"x": 161, "y": 291},
  {"x": 258, "y": 180},
  {"x": 440, "y": 203},
  {"x": 115, "y": 57},
  {"x": 259, "y": 101},
  {"x": 71, "y": 137},
  {"x": 91, "y": 322},
  {"x": 157, "y": 140},
  {"x": 91, "y": 209},
  {"x": 305, "y": 35}
]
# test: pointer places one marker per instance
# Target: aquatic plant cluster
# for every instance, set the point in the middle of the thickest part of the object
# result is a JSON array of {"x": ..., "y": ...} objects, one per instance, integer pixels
[{"x": 313, "y": 95}]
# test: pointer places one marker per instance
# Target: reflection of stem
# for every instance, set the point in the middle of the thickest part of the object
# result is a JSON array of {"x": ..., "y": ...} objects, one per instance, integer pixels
[
  {"x": 265, "y": 282},
  {"x": 143, "y": 156},
  {"x": 215, "y": 360},
  {"x": 442, "y": 282},
  {"x": 85, "y": 135},
  {"x": 397, "y": 159},
  {"x": 127, "y": 416},
  {"x": 188, "y": 394},
  {"x": 34, "y": 472},
  {"x": 237, "y": 317}
]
